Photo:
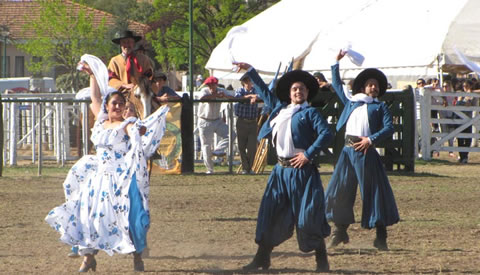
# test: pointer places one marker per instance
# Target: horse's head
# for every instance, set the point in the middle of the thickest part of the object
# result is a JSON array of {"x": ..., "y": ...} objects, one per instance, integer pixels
[{"x": 143, "y": 92}]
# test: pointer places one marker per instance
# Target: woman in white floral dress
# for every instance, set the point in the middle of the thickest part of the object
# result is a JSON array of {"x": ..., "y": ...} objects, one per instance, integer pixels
[{"x": 106, "y": 204}]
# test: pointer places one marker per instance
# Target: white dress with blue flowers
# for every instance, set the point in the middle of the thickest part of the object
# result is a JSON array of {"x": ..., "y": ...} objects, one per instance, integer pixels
[{"x": 96, "y": 212}]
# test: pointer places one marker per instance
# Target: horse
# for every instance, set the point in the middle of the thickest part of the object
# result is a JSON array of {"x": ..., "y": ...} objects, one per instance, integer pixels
[{"x": 141, "y": 96}]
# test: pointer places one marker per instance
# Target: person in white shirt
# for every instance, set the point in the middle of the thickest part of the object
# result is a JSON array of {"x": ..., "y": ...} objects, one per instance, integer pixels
[{"x": 210, "y": 122}]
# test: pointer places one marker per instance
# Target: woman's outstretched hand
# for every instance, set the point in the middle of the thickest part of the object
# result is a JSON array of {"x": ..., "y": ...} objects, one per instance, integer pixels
[{"x": 85, "y": 67}]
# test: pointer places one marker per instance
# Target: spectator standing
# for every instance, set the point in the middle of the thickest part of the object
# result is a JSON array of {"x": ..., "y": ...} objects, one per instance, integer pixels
[
  {"x": 434, "y": 85},
  {"x": 246, "y": 124},
  {"x": 324, "y": 86},
  {"x": 199, "y": 80},
  {"x": 466, "y": 101},
  {"x": 322, "y": 82},
  {"x": 447, "y": 101},
  {"x": 210, "y": 122}
]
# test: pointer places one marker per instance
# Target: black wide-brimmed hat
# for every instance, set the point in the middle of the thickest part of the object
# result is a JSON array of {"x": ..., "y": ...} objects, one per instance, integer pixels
[
  {"x": 359, "y": 82},
  {"x": 284, "y": 84},
  {"x": 125, "y": 34}
]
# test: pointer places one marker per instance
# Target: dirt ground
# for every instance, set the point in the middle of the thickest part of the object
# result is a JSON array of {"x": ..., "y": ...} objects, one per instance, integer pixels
[{"x": 206, "y": 224}]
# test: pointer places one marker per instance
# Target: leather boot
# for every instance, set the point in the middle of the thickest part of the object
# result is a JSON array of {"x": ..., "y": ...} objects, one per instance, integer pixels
[
  {"x": 321, "y": 258},
  {"x": 380, "y": 241},
  {"x": 138, "y": 262},
  {"x": 339, "y": 235},
  {"x": 261, "y": 259}
]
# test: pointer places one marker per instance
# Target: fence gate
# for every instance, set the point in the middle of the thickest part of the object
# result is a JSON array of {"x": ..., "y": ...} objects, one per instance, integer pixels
[{"x": 463, "y": 118}]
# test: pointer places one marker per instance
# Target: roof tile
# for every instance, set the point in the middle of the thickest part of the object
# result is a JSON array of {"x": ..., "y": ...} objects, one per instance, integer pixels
[{"x": 16, "y": 13}]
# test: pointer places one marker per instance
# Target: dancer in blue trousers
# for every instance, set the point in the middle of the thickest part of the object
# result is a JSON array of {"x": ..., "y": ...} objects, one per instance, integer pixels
[
  {"x": 294, "y": 194},
  {"x": 367, "y": 121}
]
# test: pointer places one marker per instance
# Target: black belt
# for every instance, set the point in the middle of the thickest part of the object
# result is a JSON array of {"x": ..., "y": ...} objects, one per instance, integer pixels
[
  {"x": 284, "y": 162},
  {"x": 350, "y": 140}
]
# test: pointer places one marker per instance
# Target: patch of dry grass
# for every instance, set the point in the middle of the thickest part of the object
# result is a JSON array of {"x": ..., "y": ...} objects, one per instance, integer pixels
[{"x": 206, "y": 224}]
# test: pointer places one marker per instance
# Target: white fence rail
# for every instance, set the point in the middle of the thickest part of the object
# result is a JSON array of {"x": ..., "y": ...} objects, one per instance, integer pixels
[{"x": 464, "y": 117}]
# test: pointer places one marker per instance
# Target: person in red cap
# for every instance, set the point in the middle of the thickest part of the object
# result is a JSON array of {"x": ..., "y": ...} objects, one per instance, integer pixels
[
  {"x": 126, "y": 68},
  {"x": 210, "y": 122}
]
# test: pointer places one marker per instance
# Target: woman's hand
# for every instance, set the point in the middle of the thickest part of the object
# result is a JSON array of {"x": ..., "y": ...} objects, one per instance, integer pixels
[
  {"x": 85, "y": 68},
  {"x": 141, "y": 130}
]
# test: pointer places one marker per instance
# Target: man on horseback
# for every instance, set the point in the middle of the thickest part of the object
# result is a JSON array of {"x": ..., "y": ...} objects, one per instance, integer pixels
[
  {"x": 126, "y": 68},
  {"x": 129, "y": 70}
]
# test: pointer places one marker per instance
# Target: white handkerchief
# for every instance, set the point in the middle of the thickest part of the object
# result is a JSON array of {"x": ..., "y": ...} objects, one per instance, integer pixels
[
  {"x": 99, "y": 70},
  {"x": 354, "y": 56}
]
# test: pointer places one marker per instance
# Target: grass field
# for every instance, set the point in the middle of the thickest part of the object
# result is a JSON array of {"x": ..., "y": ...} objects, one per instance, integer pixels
[{"x": 206, "y": 224}]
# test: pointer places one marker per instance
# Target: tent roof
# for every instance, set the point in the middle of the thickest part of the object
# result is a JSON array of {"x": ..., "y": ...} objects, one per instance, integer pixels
[
  {"x": 403, "y": 37},
  {"x": 464, "y": 34}
]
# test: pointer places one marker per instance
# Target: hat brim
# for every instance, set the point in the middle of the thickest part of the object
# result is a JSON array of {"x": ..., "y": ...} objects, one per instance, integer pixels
[
  {"x": 359, "y": 82},
  {"x": 135, "y": 37},
  {"x": 282, "y": 90}
]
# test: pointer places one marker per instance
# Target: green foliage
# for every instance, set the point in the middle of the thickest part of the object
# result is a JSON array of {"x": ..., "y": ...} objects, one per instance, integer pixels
[
  {"x": 124, "y": 10},
  {"x": 62, "y": 36},
  {"x": 212, "y": 21},
  {"x": 64, "y": 81}
]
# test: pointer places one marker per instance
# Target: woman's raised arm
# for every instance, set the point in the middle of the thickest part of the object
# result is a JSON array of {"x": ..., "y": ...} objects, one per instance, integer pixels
[{"x": 96, "y": 95}]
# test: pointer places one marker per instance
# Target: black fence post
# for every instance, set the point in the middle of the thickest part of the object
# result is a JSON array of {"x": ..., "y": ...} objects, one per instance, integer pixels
[{"x": 186, "y": 121}]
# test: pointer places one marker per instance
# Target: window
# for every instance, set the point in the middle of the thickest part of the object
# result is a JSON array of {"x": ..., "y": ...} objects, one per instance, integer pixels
[
  {"x": 19, "y": 66},
  {"x": 7, "y": 65}
]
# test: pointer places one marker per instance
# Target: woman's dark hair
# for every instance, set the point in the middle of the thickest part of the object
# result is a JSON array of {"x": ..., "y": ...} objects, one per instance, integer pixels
[{"x": 109, "y": 96}]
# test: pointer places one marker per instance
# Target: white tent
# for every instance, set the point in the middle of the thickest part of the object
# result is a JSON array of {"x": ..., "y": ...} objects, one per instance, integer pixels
[{"x": 403, "y": 38}]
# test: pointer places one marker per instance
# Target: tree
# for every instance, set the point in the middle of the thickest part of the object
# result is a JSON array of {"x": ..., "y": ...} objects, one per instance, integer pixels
[
  {"x": 212, "y": 20},
  {"x": 62, "y": 35},
  {"x": 124, "y": 10}
]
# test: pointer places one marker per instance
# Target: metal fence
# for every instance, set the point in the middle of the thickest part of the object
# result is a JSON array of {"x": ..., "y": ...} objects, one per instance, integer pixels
[
  {"x": 34, "y": 122},
  {"x": 37, "y": 121}
]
